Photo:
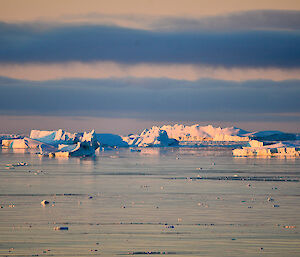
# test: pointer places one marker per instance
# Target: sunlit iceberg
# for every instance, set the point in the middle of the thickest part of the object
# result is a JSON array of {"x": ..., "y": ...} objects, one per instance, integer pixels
[
  {"x": 196, "y": 132},
  {"x": 55, "y": 137},
  {"x": 259, "y": 148},
  {"x": 153, "y": 137},
  {"x": 24, "y": 143}
]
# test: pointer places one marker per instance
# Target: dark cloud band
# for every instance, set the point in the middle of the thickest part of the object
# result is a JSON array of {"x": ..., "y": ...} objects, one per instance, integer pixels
[
  {"x": 154, "y": 99},
  {"x": 33, "y": 43}
]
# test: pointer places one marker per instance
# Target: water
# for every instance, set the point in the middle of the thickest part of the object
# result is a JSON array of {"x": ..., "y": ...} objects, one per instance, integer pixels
[{"x": 174, "y": 202}]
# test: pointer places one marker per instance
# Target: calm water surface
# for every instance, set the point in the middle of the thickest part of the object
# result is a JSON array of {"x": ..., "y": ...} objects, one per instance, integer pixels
[{"x": 174, "y": 202}]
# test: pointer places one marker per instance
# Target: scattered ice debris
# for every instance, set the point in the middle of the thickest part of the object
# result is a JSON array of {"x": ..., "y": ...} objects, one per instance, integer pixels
[
  {"x": 44, "y": 202},
  {"x": 150, "y": 252},
  {"x": 170, "y": 226},
  {"x": 258, "y": 148},
  {"x": 248, "y": 178},
  {"x": 61, "y": 228},
  {"x": 289, "y": 226},
  {"x": 135, "y": 150},
  {"x": 18, "y": 164}
]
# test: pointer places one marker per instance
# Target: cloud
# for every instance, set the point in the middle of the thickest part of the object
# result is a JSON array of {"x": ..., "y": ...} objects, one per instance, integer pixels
[
  {"x": 246, "y": 20},
  {"x": 154, "y": 99},
  {"x": 242, "y": 20},
  {"x": 101, "y": 70},
  {"x": 89, "y": 43}
]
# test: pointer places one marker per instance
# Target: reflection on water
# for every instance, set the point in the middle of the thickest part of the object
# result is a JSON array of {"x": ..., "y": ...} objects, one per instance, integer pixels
[{"x": 160, "y": 201}]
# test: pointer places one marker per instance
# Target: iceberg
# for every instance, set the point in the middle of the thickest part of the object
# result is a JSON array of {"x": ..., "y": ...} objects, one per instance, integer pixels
[
  {"x": 81, "y": 149},
  {"x": 24, "y": 143},
  {"x": 153, "y": 137},
  {"x": 196, "y": 132},
  {"x": 259, "y": 148},
  {"x": 54, "y": 137},
  {"x": 111, "y": 140},
  {"x": 9, "y": 136},
  {"x": 85, "y": 146}
]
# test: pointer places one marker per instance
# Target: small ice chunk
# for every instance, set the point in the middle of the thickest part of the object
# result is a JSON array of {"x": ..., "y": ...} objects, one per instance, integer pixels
[
  {"x": 44, "y": 202},
  {"x": 61, "y": 228}
]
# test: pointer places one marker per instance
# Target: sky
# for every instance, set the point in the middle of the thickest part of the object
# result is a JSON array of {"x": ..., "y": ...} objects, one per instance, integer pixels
[{"x": 121, "y": 66}]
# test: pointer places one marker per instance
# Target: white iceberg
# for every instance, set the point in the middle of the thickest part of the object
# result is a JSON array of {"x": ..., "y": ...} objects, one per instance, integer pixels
[
  {"x": 196, "y": 132},
  {"x": 153, "y": 137},
  {"x": 85, "y": 146},
  {"x": 24, "y": 143},
  {"x": 258, "y": 148},
  {"x": 54, "y": 137}
]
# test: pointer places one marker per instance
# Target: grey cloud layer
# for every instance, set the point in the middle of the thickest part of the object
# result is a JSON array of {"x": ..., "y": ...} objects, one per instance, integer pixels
[
  {"x": 159, "y": 99},
  {"x": 248, "y": 20},
  {"x": 34, "y": 43}
]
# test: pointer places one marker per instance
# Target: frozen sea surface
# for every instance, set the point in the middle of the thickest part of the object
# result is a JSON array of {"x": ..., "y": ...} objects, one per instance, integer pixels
[{"x": 174, "y": 202}]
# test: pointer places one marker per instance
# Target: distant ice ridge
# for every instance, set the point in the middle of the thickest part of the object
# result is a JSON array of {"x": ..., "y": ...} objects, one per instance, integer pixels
[
  {"x": 204, "y": 133},
  {"x": 258, "y": 148},
  {"x": 62, "y": 143},
  {"x": 196, "y": 132}
]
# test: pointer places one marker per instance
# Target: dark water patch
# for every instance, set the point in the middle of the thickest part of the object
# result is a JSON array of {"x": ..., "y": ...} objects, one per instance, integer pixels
[
  {"x": 62, "y": 194},
  {"x": 148, "y": 253},
  {"x": 238, "y": 178}
]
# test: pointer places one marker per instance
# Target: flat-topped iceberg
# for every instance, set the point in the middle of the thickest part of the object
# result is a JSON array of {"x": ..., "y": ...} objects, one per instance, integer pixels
[
  {"x": 24, "y": 143},
  {"x": 258, "y": 148},
  {"x": 9, "y": 136},
  {"x": 196, "y": 132}
]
